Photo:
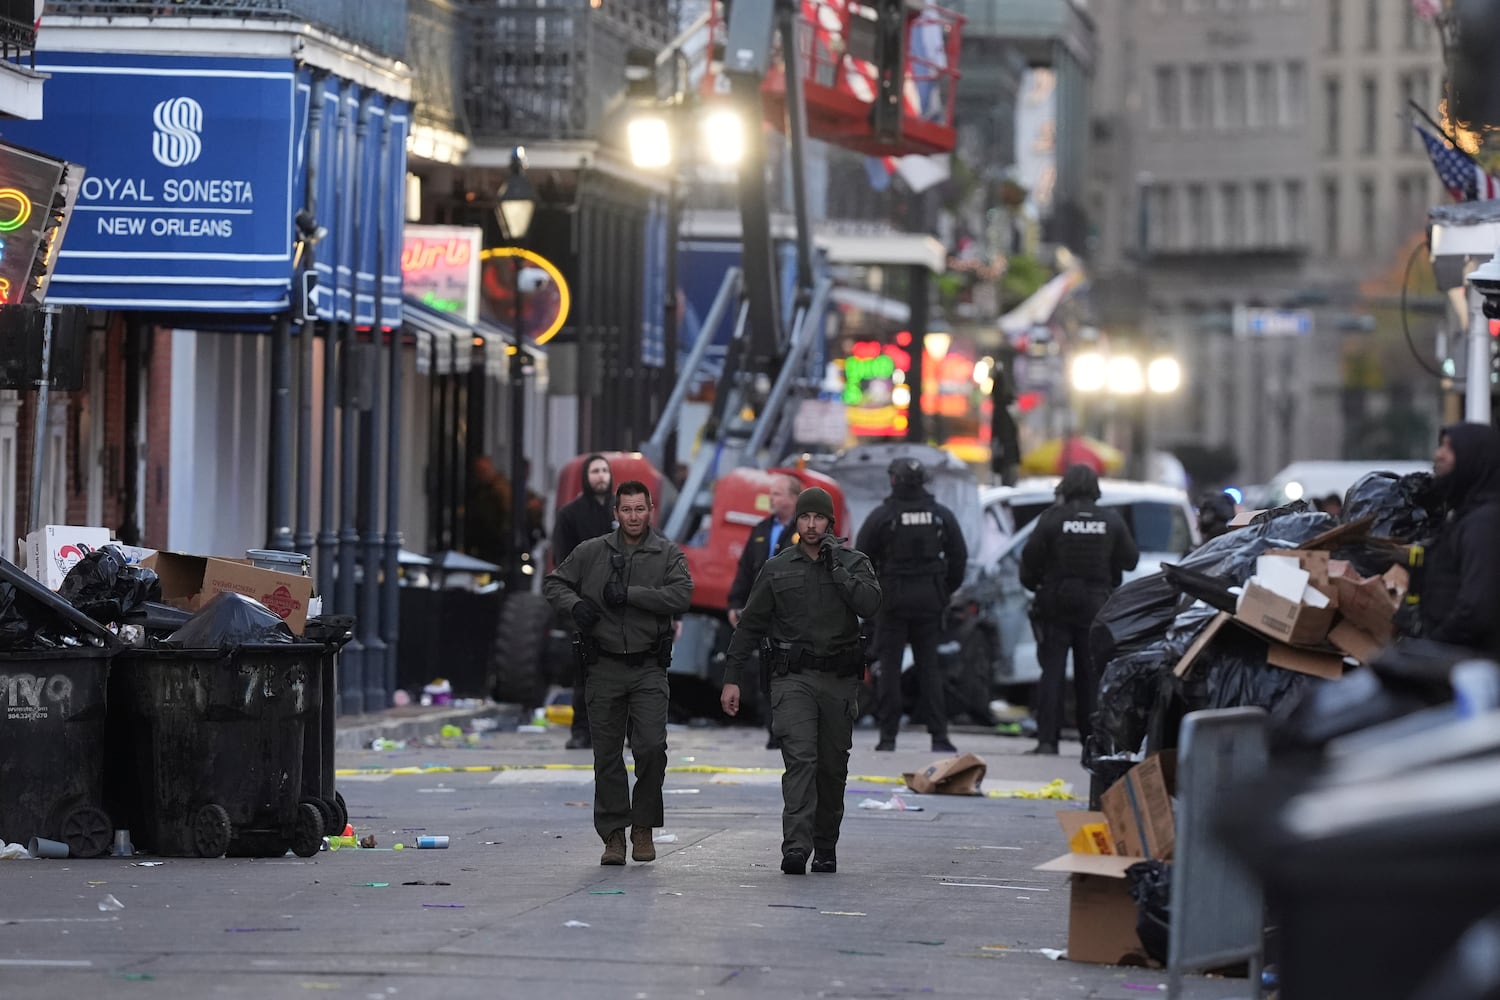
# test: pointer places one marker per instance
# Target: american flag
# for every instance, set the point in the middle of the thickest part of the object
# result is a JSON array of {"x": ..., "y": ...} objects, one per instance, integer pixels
[{"x": 1465, "y": 179}]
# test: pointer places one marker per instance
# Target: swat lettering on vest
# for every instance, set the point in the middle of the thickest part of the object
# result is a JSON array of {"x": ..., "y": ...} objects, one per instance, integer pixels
[
  {"x": 1085, "y": 527},
  {"x": 916, "y": 517}
]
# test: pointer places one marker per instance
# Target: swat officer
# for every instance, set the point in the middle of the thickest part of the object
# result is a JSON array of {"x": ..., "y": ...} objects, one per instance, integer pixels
[
  {"x": 1074, "y": 558},
  {"x": 622, "y": 590},
  {"x": 803, "y": 614},
  {"x": 918, "y": 550}
]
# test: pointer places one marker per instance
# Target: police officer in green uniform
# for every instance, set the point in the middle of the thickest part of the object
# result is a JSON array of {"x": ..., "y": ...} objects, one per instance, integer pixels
[
  {"x": 621, "y": 590},
  {"x": 804, "y": 613}
]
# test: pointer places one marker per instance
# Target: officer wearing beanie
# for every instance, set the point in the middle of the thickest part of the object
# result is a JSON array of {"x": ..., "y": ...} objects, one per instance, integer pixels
[
  {"x": 918, "y": 549},
  {"x": 804, "y": 614}
]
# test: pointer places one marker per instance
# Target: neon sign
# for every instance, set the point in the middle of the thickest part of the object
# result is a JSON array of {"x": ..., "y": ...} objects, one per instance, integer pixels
[
  {"x": 564, "y": 297},
  {"x": 19, "y": 211},
  {"x": 440, "y": 266}
]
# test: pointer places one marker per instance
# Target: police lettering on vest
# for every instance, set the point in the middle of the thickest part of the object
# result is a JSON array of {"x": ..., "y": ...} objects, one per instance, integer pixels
[{"x": 1085, "y": 527}]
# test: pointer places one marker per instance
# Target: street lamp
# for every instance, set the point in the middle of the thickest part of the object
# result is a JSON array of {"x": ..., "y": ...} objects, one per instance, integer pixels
[
  {"x": 1122, "y": 376},
  {"x": 516, "y": 205}
]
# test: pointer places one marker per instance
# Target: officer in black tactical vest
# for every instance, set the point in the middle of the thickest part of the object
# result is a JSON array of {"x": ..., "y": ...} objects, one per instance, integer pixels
[
  {"x": 1075, "y": 557},
  {"x": 919, "y": 553}
]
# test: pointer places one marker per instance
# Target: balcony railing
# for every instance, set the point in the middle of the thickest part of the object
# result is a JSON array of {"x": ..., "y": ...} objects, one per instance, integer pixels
[
  {"x": 379, "y": 25},
  {"x": 434, "y": 48},
  {"x": 17, "y": 30},
  {"x": 548, "y": 70}
]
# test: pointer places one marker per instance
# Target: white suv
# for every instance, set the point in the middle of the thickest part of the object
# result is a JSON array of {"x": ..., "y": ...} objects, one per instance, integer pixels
[{"x": 992, "y": 605}]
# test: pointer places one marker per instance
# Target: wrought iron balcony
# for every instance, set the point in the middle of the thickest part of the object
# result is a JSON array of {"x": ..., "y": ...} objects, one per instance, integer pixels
[
  {"x": 435, "y": 50},
  {"x": 379, "y": 25},
  {"x": 17, "y": 30},
  {"x": 538, "y": 70}
]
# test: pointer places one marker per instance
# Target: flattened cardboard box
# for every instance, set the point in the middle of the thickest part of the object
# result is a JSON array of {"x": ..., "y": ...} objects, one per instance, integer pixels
[
  {"x": 1279, "y": 618},
  {"x": 189, "y": 582},
  {"x": 959, "y": 775},
  {"x": 1139, "y": 808}
]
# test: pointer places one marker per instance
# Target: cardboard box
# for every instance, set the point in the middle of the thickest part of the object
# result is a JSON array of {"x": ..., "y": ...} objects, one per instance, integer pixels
[
  {"x": 1355, "y": 641},
  {"x": 959, "y": 775},
  {"x": 1317, "y": 662},
  {"x": 1370, "y": 603},
  {"x": 1101, "y": 912},
  {"x": 189, "y": 582},
  {"x": 1139, "y": 808},
  {"x": 1290, "y": 621},
  {"x": 1244, "y": 517},
  {"x": 53, "y": 550},
  {"x": 1087, "y": 832}
]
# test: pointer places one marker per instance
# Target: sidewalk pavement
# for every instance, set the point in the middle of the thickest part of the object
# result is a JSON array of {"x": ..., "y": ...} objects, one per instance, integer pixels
[{"x": 413, "y": 722}]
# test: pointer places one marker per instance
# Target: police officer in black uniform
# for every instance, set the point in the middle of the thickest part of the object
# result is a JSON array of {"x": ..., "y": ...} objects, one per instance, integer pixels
[
  {"x": 1075, "y": 557},
  {"x": 919, "y": 553}
]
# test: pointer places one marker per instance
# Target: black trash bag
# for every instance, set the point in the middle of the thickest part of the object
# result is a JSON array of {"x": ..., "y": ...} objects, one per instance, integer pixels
[
  {"x": 1239, "y": 676},
  {"x": 1151, "y": 888},
  {"x": 1231, "y": 558},
  {"x": 16, "y": 629},
  {"x": 159, "y": 620},
  {"x": 1135, "y": 616},
  {"x": 1206, "y": 589},
  {"x": 105, "y": 587},
  {"x": 1404, "y": 507},
  {"x": 1122, "y": 707},
  {"x": 1185, "y": 628},
  {"x": 231, "y": 620}
]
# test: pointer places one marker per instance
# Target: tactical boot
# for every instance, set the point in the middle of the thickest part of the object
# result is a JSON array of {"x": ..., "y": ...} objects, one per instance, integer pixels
[
  {"x": 886, "y": 746},
  {"x": 1043, "y": 749},
  {"x": 641, "y": 847},
  {"x": 614, "y": 849},
  {"x": 579, "y": 741},
  {"x": 794, "y": 862},
  {"x": 825, "y": 860},
  {"x": 941, "y": 744}
]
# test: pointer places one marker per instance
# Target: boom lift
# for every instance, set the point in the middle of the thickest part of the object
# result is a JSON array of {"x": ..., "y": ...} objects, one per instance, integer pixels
[{"x": 875, "y": 76}]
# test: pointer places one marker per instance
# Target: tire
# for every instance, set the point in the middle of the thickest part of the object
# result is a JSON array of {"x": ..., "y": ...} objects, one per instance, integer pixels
[
  {"x": 329, "y": 813},
  {"x": 518, "y": 668},
  {"x": 87, "y": 832},
  {"x": 211, "y": 831},
  {"x": 969, "y": 689},
  {"x": 343, "y": 812},
  {"x": 307, "y": 831}
]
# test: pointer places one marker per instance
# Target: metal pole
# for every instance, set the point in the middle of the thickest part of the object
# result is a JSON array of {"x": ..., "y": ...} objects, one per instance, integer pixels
[
  {"x": 916, "y": 425},
  {"x": 1477, "y": 384},
  {"x": 390, "y": 587},
  {"x": 376, "y": 691},
  {"x": 518, "y": 536},
  {"x": 349, "y": 433},
  {"x": 39, "y": 428},
  {"x": 328, "y": 539},
  {"x": 279, "y": 488},
  {"x": 303, "y": 540},
  {"x": 796, "y": 120}
]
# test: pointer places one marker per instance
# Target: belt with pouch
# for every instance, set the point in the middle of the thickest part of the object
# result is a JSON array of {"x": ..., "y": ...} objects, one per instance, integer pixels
[{"x": 631, "y": 659}]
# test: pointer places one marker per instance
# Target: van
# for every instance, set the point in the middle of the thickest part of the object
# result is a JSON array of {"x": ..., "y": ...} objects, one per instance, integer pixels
[{"x": 1312, "y": 481}]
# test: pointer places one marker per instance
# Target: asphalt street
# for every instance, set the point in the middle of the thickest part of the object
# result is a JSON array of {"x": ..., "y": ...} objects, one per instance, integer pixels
[{"x": 940, "y": 901}]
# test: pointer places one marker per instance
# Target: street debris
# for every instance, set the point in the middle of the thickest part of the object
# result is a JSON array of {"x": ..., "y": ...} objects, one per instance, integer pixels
[
  {"x": 420, "y": 882},
  {"x": 575, "y": 923},
  {"x": 12, "y": 852},
  {"x": 842, "y": 913},
  {"x": 664, "y": 838},
  {"x": 893, "y": 804},
  {"x": 147, "y": 864},
  {"x": 444, "y": 906},
  {"x": 606, "y": 892},
  {"x": 109, "y": 902}
]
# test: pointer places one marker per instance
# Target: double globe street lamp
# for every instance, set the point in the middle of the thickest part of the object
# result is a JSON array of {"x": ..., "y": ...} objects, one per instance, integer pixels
[{"x": 1123, "y": 377}]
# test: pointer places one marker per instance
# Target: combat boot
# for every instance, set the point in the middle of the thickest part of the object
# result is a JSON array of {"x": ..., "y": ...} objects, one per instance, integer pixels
[
  {"x": 641, "y": 847},
  {"x": 614, "y": 849}
]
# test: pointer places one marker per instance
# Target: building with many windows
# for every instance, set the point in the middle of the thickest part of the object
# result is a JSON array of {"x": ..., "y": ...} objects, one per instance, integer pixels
[{"x": 1255, "y": 171}]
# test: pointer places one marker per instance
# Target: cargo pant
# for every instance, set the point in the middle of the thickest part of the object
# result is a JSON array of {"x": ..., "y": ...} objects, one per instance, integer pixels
[
  {"x": 813, "y": 714},
  {"x": 621, "y": 696}
]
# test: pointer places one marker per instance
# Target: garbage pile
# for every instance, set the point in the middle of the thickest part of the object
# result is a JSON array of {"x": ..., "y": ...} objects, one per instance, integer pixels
[{"x": 1260, "y": 616}]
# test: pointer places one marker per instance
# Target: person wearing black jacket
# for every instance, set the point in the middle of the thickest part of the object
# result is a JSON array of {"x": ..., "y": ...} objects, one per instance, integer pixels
[
  {"x": 1076, "y": 555},
  {"x": 920, "y": 557},
  {"x": 1460, "y": 597},
  {"x": 770, "y": 536},
  {"x": 589, "y": 515}
]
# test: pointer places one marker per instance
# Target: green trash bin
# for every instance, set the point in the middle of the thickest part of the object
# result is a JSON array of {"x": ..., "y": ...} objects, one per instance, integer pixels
[
  {"x": 208, "y": 749},
  {"x": 52, "y": 748}
]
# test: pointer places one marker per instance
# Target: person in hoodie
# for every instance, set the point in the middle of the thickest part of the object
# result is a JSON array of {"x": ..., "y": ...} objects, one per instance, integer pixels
[
  {"x": 1461, "y": 588},
  {"x": 588, "y": 515},
  {"x": 1075, "y": 557},
  {"x": 919, "y": 553}
]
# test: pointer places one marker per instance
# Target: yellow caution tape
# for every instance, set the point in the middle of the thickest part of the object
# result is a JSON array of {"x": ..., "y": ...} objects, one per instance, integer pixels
[{"x": 1055, "y": 789}]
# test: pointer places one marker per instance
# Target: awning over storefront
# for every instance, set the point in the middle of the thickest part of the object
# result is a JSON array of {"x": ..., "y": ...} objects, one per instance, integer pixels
[{"x": 446, "y": 341}]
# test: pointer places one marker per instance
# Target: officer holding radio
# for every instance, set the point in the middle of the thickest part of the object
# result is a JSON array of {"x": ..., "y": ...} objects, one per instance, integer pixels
[
  {"x": 804, "y": 615},
  {"x": 622, "y": 590}
]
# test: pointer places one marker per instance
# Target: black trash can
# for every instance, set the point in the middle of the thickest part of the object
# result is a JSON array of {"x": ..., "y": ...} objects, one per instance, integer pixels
[
  {"x": 209, "y": 749},
  {"x": 1397, "y": 867},
  {"x": 52, "y": 748},
  {"x": 332, "y": 632}
]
